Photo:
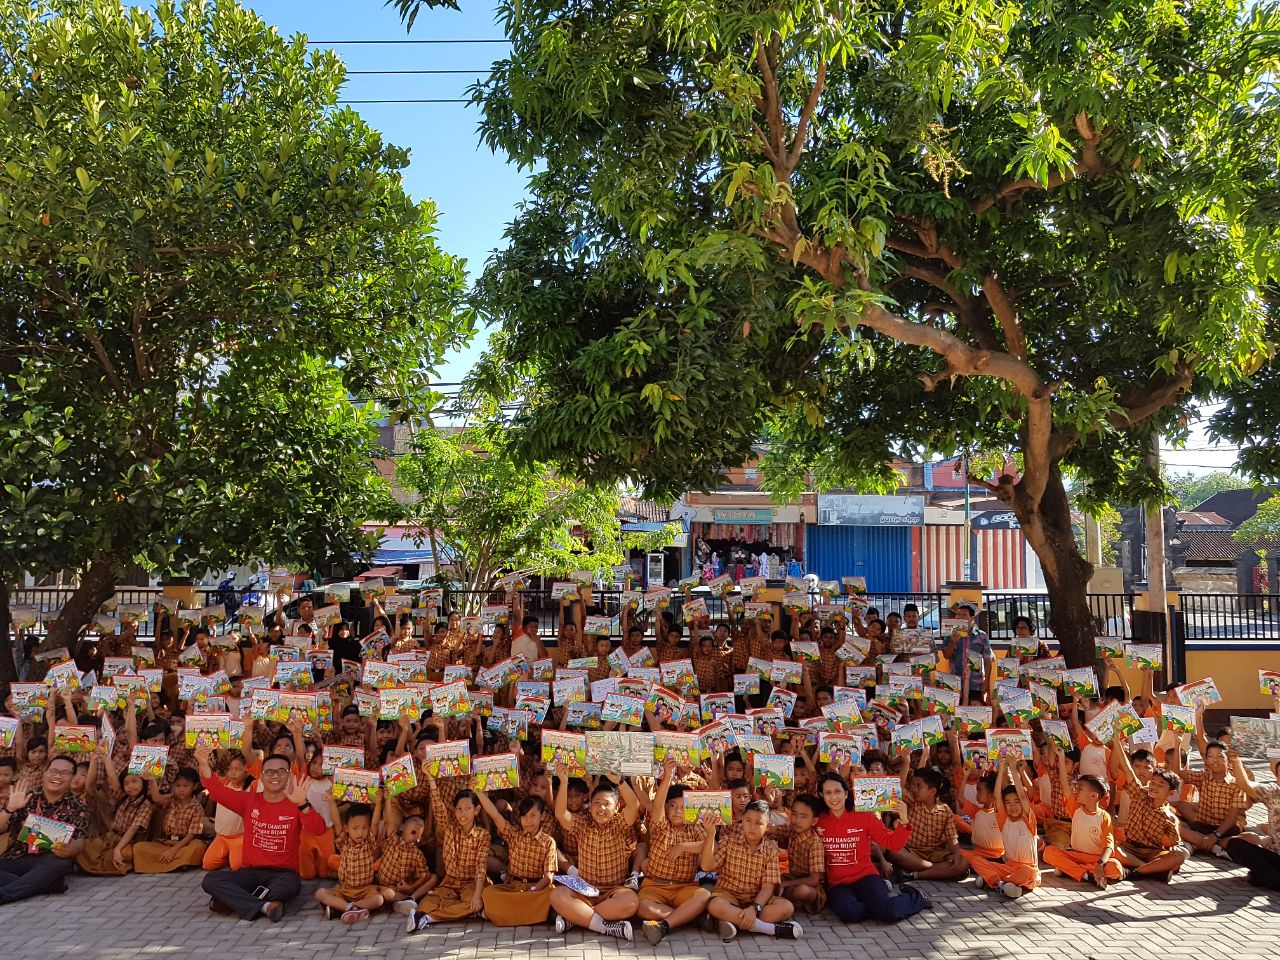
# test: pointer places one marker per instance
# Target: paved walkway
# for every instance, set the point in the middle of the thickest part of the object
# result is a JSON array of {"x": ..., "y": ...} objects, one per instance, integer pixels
[{"x": 1208, "y": 912}]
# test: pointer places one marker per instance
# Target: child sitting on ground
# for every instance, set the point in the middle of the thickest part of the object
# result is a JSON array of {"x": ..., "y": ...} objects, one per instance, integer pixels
[{"x": 356, "y": 893}]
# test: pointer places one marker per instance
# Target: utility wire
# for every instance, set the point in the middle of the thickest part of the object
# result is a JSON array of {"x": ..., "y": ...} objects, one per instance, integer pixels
[{"x": 351, "y": 43}]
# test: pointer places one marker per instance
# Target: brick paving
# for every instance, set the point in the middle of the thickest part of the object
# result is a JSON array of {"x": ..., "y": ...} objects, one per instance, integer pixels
[{"x": 1208, "y": 912}]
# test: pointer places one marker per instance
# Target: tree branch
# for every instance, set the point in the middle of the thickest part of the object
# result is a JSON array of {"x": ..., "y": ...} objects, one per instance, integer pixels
[
  {"x": 1155, "y": 396},
  {"x": 1015, "y": 339},
  {"x": 806, "y": 115}
]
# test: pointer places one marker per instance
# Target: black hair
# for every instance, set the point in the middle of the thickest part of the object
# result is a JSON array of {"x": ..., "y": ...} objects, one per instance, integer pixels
[
  {"x": 189, "y": 775},
  {"x": 1214, "y": 745},
  {"x": 606, "y": 788},
  {"x": 832, "y": 777},
  {"x": 912, "y": 608},
  {"x": 64, "y": 757},
  {"x": 36, "y": 742},
  {"x": 778, "y": 635},
  {"x": 675, "y": 630},
  {"x": 1009, "y": 791},
  {"x": 578, "y": 785},
  {"x": 828, "y": 629},
  {"x": 466, "y": 795},
  {"x": 931, "y": 776},
  {"x": 9, "y": 762},
  {"x": 640, "y": 630},
  {"x": 287, "y": 737},
  {"x": 676, "y": 791},
  {"x": 1140, "y": 756},
  {"x": 757, "y": 806},
  {"x": 816, "y": 806},
  {"x": 357, "y": 810},
  {"x": 1224, "y": 732},
  {"x": 668, "y": 617},
  {"x": 1114, "y": 693},
  {"x": 154, "y": 730},
  {"x": 1073, "y": 755},
  {"x": 528, "y": 620},
  {"x": 988, "y": 780},
  {"x": 1031, "y": 624},
  {"x": 277, "y": 756},
  {"x": 733, "y": 756},
  {"x": 351, "y": 710},
  {"x": 531, "y": 803},
  {"x": 1169, "y": 777},
  {"x": 737, "y": 785},
  {"x": 1097, "y": 783}
]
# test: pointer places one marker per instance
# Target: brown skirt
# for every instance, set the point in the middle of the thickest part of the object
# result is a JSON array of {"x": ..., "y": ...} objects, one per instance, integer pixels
[
  {"x": 451, "y": 900},
  {"x": 516, "y": 904},
  {"x": 96, "y": 859},
  {"x": 146, "y": 857}
]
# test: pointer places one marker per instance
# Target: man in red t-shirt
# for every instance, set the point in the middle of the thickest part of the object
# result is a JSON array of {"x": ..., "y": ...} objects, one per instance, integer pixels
[{"x": 273, "y": 825}]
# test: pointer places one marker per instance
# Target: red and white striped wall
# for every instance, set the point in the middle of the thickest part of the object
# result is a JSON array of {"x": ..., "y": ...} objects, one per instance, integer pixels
[{"x": 1000, "y": 557}]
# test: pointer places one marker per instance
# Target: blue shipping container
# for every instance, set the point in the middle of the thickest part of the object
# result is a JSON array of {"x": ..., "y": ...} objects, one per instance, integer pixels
[{"x": 881, "y": 554}]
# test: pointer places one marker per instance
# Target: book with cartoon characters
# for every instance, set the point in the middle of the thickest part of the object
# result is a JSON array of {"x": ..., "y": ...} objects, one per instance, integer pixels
[
  {"x": 775, "y": 770},
  {"x": 333, "y": 757},
  {"x": 449, "y": 759},
  {"x": 352, "y": 785},
  {"x": 148, "y": 761},
  {"x": 838, "y": 749},
  {"x": 1010, "y": 744},
  {"x": 399, "y": 775},
  {"x": 212, "y": 729},
  {"x": 497, "y": 772},
  {"x": 698, "y": 802},
  {"x": 567, "y": 751},
  {"x": 876, "y": 794}
]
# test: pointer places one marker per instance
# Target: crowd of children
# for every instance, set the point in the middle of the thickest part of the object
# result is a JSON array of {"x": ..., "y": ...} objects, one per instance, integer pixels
[{"x": 735, "y": 775}]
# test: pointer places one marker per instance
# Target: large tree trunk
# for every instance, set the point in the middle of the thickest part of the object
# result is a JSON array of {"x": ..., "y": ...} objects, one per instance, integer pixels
[
  {"x": 8, "y": 668},
  {"x": 1047, "y": 527},
  {"x": 97, "y": 584}
]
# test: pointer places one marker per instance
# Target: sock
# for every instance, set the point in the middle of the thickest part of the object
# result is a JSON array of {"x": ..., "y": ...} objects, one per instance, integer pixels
[
  {"x": 597, "y": 924},
  {"x": 265, "y": 908},
  {"x": 759, "y": 926},
  {"x": 573, "y": 871}
]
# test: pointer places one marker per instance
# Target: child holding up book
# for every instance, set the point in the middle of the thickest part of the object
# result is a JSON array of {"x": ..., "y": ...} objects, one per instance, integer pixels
[
  {"x": 670, "y": 895},
  {"x": 802, "y": 882},
  {"x": 747, "y": 878},
  {"x": 933, "y": 851},
  {"x": 111, "y": 854},
  {"x": 1016, "y": 871},
  {"x": 465, "y": 852},
  {"x": 605, "y": 840},
  {"x": 403, "y": 868},
  {"x": 524, "y": 898},
  {"x": 357, "y": 892},
  {"x": 227, "y": 847},
  {"x": 1091, "y": 855},
  {"x": 1152, "y": 847}
]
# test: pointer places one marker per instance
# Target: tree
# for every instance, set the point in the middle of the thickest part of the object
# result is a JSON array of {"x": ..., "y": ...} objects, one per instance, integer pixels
[
  {"x": 1189, "y": 490},
  {"x": 485, "y": 514},
  {"x": 1263, "y": 528},
  {"x": 206, "y": 269},
  {"x": 856, "y": 230}
]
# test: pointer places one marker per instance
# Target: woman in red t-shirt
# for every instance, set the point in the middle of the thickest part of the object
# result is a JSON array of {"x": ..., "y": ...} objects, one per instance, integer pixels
[{"x": 855, "y": 889}]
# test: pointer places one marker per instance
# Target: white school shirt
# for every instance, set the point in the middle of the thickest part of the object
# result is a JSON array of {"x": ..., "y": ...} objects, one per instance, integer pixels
[
  {"x": 1087, "y": 834},
  {"x": 1020, "y": 844},
  {"x": 1093, "y": 760}
]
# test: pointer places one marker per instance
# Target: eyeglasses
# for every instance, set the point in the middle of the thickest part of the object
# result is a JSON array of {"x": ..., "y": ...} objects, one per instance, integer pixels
[
  {"x": 59, "y": 772},
  {"x": 276, "y": 772}
]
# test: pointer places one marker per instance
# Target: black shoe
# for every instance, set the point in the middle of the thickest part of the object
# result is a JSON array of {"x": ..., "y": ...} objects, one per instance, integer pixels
[
  {"x": 707, "y": 924},
  {"x": 926, "y": 903},
  {"x": 788, "y": 930},
  {"x": 274, "y": 911}
]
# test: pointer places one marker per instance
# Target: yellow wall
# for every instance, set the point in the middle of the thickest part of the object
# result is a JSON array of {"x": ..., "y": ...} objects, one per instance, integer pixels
[{"x": 1236, "y": 674}]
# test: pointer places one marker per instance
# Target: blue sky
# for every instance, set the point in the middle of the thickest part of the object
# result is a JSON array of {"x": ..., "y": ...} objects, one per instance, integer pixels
[{"x": 475, "y": 190}]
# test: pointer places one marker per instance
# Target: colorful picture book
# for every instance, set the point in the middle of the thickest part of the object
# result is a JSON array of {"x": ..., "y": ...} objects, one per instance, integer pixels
[
  {"x": 1146, "y": 656},
  {"x": 449, "y": 759},
  {"x": 775, "y": 770},
  {"x": 842, "y": 715},
  {"x": 566, "y": 751},
  {"x": 211, "y": 729},
  {"x": 684, "y": 747},
  {"x": 583, "y": 715},
  {"x": 333, "y": 757},
  {"x": 1178, "y": 718},
  {"x": 786, "y": 671},
  {"x": 399, "y": 775},
  {"x": 1113, "y": 647},
  {"x": 1269, "y": 683},
  {"x": 1200, "y": 693},
  {"x": 1009, "y": 744},
  {"x": 1082, "y": 681},
  {"x": 40, "y": 834},
  {"x": 352, "y": 785},
  {"x": 839, "y": 748},
  {"x": 619, "y": 708},
  {"x": 498, "y": 772},
  {"x": 876, "y": 794},
  {"x": 1058, "y": 731},
  {"x": 1017, "y": 705},
  {"x": 620, "y": 751},
  {"x": 908, "y": 736},
  {"x": 396, "y": 703},
  {"x": 63, "y": 676},
  {"x": 450, "y": 699},
  {"x": 148, "y": 761},
  {"x": 73, "y": 738},
  {"x": 746, "y": 684},
  {"x": 699, "y": 802},
  {"x": 679, "y": 675}
]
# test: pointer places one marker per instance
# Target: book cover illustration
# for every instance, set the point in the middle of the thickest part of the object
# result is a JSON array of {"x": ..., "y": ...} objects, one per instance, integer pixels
[
  {"x": 449, "y": 759},
  {"x": 584, "y": 715},
  {"x": 148, "y": 761},
  {"x": 1200, "y": 693},
  {"x": 746, "y": 684},
  {"x": 399, "y": 775},
  {"x": 352, "y": 785},
  {"x": 1145, "y": 656},
  {"x": 450, "y": 699},
  {"x": 775, "y": 770},
  {"x": 876, "y": 794},
  {"x": 698, "y": 802},
  {"x": 618, "y": 751},
  {"x": 41, "y": 834},
  {"x": 333, "y": 757},
  {"x": 1009, "y": 744},
  {"x": 74, "y": 738},
  {"x": 497, "y": 772},
  {"x": 567, "y": 751},
  {"x": 211, "y": 729},
  {"x": 619, "y": 708}
]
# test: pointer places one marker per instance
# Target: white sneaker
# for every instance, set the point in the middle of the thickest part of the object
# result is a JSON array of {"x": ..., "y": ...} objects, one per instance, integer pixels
[
  {"x": 561, "y": 924},
  {"x": 406, "y": 907},
  {"x": 726, "y": 930},
  {"x": 979, "y": 882},
  {"x": 1011, "y": 890}
]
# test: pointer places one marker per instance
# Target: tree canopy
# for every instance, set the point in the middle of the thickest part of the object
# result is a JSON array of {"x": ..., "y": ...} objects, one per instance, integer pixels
[
  {"x": 207, "y": 273},
  {"x": 484, "y": 513},
  {"x": 851, "y": 230},
  {"x": 1189, "y": 490}
]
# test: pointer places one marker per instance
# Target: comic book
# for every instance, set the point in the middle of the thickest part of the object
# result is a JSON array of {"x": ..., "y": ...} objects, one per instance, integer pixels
[
  {"x": 583, "y": 715},
  {"x": 685, "y": 747},
  {"x": 838, "y": 749},
  {"x": 698, "y": 802},
  {"x": 746, "y": 684},
  {"x": 856, "y": 676},
  {"x": 715, "y": 704},
  {"x": 73, "y": 738},
  {"x": 1009, "y": 743},
  {"x": 294, "y": 675},
  {"x": 1269, "y": 683},
  {"x": 762, "y": 668},
  {"x": 876, "y": 794},
  {"x": 450, "y": 699},
  {"x": 786, "y": 671},
  {"x": 1082, "y": 681},
  {"x": 597, "y": 626},
  {"x": 399, "y": 775},
  {"x": 334, "y": 757},
  {"x": 213, "y": 729},
  {"x": 64, "y": 675},
  {"x": 1145, "y": 656},
  {"x": 934, "y": 731},
  {"x": 1178, "y": 718},
  {"x": 1058, "y": 731},
  {"x": 352, "y": 785},
  {"x": 784, "y": 700},
  {"x": 1017, "y": 705},
  {"x": 909, "y": 736},
  {"x": 569, "y": 690},
  {"x": 679, "y": 675},
  {"x": 842, "y": 715},
  {"x": 940, "y": 700},
  {"x": 396, "y": 703},
  {"x": 148, "y": 761},
  {"x": 497, "y": 772},
  {"x": 805, "y": 651},
  {"x": 1200, "y": 693},
  {"x": 775, "y": 770},
  {"x": 449, "y": 759},
  {"x": 567, "y": 751},
  {"x": 767, "y": 721},
  {"x": 535, "y": 706},
  {"x": 623, "y": 709}
]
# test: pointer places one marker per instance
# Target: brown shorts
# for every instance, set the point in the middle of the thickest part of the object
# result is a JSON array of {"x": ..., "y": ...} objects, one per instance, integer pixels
[
  {"x": 605, "y": 894},
  {"x": 352, "y": 894},
  {"x": 741, "y": 902},
  {"x": 668, "y": 894},
  {"x": 1148, "y": 854},
  {"x": 939, "y": 855}
]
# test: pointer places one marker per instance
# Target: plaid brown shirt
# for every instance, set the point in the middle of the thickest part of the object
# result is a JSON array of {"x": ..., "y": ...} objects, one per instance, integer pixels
[
  {"x": 1057, "y": 799},
  {"x": 604, "y": 852},
  {"x": 1149, "y": 825},
  {"x": 741, "y": 871},
  {"x": 710, "y": 671},
  {"x": 932, "y": 826},
  {"x": 465, "y": 852},
  {"x": 1217, "y": 796},
  {"x": 663, "y": 863},
  {"x": 830, "y": 669},
  {"x": 530, "y": 857},
  {"x": 132, "y": 813},
  {"x": 355, "y": 864},
  {"x": 805, "y": 854},
  {"x": 401, "y": 863},
  {"x": 183, "y": 817}
]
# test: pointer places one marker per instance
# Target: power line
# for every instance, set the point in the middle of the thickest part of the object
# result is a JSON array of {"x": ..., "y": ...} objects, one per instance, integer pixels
[
  {"x": 351, "y": 103},
  {"x": 406, "y": 73},
  {"x": 350, "y": 43}
]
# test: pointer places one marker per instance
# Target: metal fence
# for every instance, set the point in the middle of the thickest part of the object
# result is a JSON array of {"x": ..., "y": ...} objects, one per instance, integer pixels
[
  {"x": 1231, "y": 616},
  {"x": 1112, "y": 614}
]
